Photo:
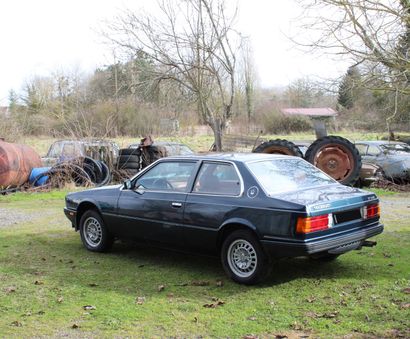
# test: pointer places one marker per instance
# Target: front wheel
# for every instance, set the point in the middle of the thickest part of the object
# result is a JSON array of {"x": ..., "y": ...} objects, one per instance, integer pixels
[
  {"x": 94, "y": 233},
  {"x": 243, "y": 258}
]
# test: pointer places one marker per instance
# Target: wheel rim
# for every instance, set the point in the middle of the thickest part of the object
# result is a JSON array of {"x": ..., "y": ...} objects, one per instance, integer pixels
[
  {"x": 242, "y": 258},
  {"x": 92, "y": 231},
  {"x": 335, "y": 160}
]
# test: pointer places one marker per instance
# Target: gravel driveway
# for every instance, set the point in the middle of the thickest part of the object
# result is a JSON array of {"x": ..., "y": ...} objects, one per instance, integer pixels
[{"x": 14, "y": 216}]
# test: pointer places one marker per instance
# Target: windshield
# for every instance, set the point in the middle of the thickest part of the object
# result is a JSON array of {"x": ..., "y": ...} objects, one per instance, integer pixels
[
  {"x": 396, "y": 148},
  {"x": 283, "y": 175}
]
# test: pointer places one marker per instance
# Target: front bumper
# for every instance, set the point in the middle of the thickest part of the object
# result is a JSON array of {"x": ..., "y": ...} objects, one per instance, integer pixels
[
  {"x": 71, "y": 215},
  {"x": 334, "y": 243}
]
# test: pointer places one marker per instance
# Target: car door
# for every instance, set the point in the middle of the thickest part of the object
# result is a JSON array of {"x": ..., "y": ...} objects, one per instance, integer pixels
[
  {"x": 152, "y": 209},
  {"x": 215, "y": 195}
]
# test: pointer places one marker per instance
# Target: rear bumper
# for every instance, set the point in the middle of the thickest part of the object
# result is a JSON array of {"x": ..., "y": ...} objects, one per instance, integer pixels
[
  {"x": 71, "y": 215},
  {"x": 334, "y": 243}
]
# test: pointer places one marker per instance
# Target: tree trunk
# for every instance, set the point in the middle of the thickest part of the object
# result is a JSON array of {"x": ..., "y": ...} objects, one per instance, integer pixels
[{"x": 218, "y": 130}]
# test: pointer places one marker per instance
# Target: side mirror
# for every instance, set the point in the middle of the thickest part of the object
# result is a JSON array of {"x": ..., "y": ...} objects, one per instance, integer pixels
[{"x": 127, "y": 184}]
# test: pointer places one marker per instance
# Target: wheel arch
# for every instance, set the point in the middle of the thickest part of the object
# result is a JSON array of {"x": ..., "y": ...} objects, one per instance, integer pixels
[
  {"x": 82, "y": 208},
  {"x": 232, "y": 225}
]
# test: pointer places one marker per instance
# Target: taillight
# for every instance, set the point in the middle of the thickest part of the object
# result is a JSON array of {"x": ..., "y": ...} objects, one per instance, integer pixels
[
  {"x": 371, "y": 211},
  {"x": 313, "y": 224}
]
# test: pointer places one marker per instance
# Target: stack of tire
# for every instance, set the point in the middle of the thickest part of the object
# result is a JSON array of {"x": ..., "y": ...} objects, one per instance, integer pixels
[
  {"x": 334, "y": 155},
  {"x": 129, "y": 160}
]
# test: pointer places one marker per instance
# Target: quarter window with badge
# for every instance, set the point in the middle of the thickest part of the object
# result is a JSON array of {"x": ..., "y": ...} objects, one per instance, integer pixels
[{"x": 218, "y": 179}]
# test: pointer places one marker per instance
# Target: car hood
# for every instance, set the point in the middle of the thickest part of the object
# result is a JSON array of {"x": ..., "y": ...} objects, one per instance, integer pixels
[{"x": 329, "y": 197}]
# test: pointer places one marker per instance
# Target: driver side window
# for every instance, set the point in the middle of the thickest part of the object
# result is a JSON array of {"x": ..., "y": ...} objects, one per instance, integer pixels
[{"x": 167, "y": 176}]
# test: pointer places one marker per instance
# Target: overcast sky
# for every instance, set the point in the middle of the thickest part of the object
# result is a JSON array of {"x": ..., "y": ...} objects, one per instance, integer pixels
[{"x": 44, "y": 36}]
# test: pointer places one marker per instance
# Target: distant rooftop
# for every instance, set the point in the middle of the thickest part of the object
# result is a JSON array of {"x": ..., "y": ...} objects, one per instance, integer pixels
[{"x": 310, "y": 112}]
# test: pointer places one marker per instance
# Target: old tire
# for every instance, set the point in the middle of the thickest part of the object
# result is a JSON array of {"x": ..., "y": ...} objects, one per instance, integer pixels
[
  {"x": 279, "y": 146},
  {"x": 243, "y": 258},
  {"x": 94, "y": 234},
  {"x": 129, "y": 151},
  {"x": 337, "y": 157}
]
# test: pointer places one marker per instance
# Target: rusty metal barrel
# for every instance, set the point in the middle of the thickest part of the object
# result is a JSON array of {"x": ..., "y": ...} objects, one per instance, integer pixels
[{"x": 16, "y": 163}]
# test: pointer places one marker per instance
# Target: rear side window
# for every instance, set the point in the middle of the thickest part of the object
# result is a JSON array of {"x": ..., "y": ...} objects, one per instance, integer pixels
[{"x": 218, "y": 179}]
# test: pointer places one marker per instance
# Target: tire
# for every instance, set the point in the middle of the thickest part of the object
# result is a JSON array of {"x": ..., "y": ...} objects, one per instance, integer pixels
[
  {"x": 129, "y": 165},
  {"x": 337, "y": 157},
  {"x": 279, "y": 146},
  {"x": 256, "y": 265},
  {"x": 129, "y": 151},
  {"x": 94, "y": 234},
  {"x": 324, "y": 257},
  {"x": 127, "y": 158}
]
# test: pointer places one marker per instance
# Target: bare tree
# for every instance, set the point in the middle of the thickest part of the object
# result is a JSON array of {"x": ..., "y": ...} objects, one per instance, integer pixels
[
  {"x": 192, "y": 43},
  {"x": 374, "y": 34}
]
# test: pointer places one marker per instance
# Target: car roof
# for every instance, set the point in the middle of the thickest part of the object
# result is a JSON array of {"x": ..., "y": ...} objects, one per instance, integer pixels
[
  {"x": 235, "y": 157},
  {"x": 380, "y": 142}
]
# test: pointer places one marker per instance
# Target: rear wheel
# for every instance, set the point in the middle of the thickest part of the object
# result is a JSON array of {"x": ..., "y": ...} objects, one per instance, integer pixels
[
  {"x": 279, "y": 146},
  {"x": 337, "y": 157},
  {"x": 243, "y": 258},
  {"x": 94, "y": 234}
]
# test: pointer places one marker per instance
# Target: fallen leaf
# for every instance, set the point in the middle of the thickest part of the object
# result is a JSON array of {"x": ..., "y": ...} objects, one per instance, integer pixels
[
  {"x": 200, "y": 283},
  {"x": 219, "y": 283},
  {"x": 311, "y": 299},
  {"x": 215, "y": 304},
  {"x": 89, "y": 307},
  {"x": 75, "y": 326},
  {"x": 17, "y": 323},
  {"x": 404, "y": 306},
  {"x": 250, "y": 336},
  {"x": 10, "y": 289},
  {"x": 38, "y": 282},
  {"x": 251, "y": 318},
  {"x": 329, "y": 315},
  {"x": 161, "y": 288},
  {"x": 140, "y": 300},
  {"x": 406, "y": 290},
  {"x": 60, "y": 300}
]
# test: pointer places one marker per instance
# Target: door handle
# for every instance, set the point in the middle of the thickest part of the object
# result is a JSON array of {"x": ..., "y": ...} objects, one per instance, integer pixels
[{"x": 176, "y": 204}]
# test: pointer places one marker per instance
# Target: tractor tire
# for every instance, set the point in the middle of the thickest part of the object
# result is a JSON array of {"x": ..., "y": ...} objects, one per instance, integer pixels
[
  {"x": 279, "y": 146},
  {"x": 337, "y": 157}
]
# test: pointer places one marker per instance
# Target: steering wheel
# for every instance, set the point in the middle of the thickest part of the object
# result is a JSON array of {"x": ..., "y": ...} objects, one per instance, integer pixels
[{"x": 162, "y": 183}]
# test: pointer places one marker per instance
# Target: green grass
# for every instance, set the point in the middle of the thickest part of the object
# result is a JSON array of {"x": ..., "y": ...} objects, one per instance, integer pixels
[{"x": 46, "y": 277}]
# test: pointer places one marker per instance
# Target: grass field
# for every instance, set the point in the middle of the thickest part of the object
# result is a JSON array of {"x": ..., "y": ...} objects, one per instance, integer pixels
[{"x": 51, "y": 286}]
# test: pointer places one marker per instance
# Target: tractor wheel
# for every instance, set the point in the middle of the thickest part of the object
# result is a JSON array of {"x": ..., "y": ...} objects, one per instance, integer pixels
[
  {"x": 337, "y": 157},
  {"x": 279, "y": 146}
]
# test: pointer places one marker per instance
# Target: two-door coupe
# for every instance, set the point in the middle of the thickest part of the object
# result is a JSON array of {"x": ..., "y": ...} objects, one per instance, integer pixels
[{"x": 247, "y": 208}]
